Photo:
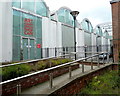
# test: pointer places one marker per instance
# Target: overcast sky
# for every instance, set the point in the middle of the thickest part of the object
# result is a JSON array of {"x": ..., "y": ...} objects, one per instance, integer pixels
[{"x": 97, "y": 11}]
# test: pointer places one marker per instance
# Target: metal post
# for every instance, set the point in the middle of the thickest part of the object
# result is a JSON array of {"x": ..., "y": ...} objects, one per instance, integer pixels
[
  {"x": 55, "y": 51},
  {"x": 70, "y": 71},
  {"x": 41, "y": 53},
  {"x": 107, "y": 57},
  {"x": 83, "y": 68},
  {"x": 74, "y": 14},
  {"x": 47, "y": 52},
  {"x": 91, "y": 63},
  {"x": 51, "y": 80},
  {"x": 18, "y": 89},
  {"x": 75, "y": 36},
  {"x": 70, "y": 56},
  {"x": 103, "y": 59},
  {"x": 98, "y": 61}
]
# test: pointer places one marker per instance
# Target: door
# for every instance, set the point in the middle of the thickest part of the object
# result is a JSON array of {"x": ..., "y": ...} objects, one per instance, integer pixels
[
  {"x": 32, "y": 48},
  {"x": 28, "y": 47},
  {"x": 25, "y": 49}
]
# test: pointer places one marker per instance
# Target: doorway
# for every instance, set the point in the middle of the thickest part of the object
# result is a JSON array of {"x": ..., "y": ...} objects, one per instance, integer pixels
[{"x": 28, "y": 48}]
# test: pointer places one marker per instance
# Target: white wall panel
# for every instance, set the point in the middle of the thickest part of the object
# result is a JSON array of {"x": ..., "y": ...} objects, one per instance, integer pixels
[
  {"x": 1, "y": 32},
  {"x": 52, "y": 34},
  {"x": 79, "y": 37},
  {"x": 45, "y": 32},
  {"x": 94, "y": 43},
  {"x": 80, "y": 42},
  {"x": 6, "y": 31},
  {"x": 58, "y": 35}
]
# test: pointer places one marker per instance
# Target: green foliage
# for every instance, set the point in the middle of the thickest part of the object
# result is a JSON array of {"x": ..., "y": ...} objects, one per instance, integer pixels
[
  {"x": 15, "y": 71},
  {"x": 59, "y": 61},
  {"x": 108, "y": 83},
  {"x": 11, "y": 72},
  {"x": 41, "y": 65}
]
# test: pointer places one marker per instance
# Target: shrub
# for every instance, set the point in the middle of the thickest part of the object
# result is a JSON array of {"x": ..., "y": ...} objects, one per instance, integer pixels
[
  {"x": 41, "y": 65},
  {"x": 15, "y": 71}
]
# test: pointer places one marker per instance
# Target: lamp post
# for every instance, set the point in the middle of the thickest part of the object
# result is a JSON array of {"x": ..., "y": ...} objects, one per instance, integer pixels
[{"x": 74, "y": 14}]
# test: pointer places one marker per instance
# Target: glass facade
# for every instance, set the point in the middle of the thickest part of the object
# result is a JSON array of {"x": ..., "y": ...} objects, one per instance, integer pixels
[
  {"x": 86, "y": 25},
  {"x": 99, "y": 31},
  {"x": 87, "y": 39},
  {"x": 36, "y": 6},
  {"x": 106, "y": 34},
  {"x": 64, "y": 16},
  {"x": 27, "y": 31}
]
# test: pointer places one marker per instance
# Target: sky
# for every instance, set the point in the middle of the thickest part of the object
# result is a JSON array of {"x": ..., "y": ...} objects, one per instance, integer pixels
[{"x": 97, "y": 11}]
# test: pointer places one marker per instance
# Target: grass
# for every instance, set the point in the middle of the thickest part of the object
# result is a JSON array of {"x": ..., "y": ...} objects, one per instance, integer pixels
[{"x": 108, "y": 83}]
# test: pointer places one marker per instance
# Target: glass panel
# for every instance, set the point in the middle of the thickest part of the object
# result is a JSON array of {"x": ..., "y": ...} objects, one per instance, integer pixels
[
  {"x": 61, "y": 15},
  {"x": 41, "y": 9},
  {"x": 16, "y": 48},
  {"x": 16, "y": 3},
  {"x": 16, "y": 22},
  {"x": 39, "y": 28},
  {"x": 67, "y": 36},
  {"x": 65, "y": 17},
  {"x": 87, "y": 39},
  {"x": 32, "y": 49},
  {"x": 30, "y": 6},
  {"x": 90, "y": 28},
  {"x": 38, "y": 48},
  {"x": 28, "y": 25},
  {"x": 25, "y": 49}
]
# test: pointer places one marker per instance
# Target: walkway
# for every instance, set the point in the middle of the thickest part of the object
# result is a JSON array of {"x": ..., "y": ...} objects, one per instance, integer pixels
[{"x": 57, "y": 82}]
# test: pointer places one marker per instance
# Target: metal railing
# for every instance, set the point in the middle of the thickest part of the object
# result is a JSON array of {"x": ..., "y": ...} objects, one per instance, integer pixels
[
  {"x": 36, "y": 60},
  {"x": 69, "y": 64}
]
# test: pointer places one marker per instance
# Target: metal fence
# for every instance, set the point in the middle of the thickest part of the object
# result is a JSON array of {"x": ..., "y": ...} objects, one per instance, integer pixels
[
  {"x": 84, "y": 50},
  {"x": 69, "y": 64}
]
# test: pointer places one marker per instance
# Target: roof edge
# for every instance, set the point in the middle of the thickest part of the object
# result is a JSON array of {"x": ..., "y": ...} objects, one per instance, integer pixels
[{"x": 114, "y": 1}]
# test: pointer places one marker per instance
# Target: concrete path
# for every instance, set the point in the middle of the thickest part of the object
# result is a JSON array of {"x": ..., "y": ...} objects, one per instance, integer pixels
[{"x": 44, "y": 88}]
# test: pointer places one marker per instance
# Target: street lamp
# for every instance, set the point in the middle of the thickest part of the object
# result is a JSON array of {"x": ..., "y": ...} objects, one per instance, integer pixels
[{"x": 74, "y": 14}]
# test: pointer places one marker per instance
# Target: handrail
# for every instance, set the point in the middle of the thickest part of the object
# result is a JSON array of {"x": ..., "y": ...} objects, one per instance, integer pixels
[
  {"x": 32, "y": 61},
  {"x": 50, "y": 69}
]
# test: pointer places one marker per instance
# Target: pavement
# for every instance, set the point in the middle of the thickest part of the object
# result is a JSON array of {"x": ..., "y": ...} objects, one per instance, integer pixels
[{"x": 44, "y": 88}]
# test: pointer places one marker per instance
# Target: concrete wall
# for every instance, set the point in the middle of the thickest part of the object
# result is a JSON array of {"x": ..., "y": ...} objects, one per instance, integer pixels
[{"x": 6, "y": 32}]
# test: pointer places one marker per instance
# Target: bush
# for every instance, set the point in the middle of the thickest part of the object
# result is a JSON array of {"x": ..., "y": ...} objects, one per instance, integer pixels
[
  {"x": 41, "y": 65},
  {"x": 19, "y": 70},
  {"x": 15, "y": 71}
]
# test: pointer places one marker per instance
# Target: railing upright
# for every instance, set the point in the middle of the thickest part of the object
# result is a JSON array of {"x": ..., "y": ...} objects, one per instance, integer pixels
[
  {"x": 98, "y": 64},
  {"x": 91, "y": 63},
  {"x": 70, "y": 71},
  {"x": 83, "y": 67},
  {"x": 108, "y": 58},
  {"x": 51, "y": 80},
  {"x": 103, "y": 59},
  {"x": 18, "y": 89}
]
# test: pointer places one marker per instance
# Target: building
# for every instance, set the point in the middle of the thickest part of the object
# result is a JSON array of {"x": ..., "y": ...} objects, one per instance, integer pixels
[
  {"x": 115, "y": 4},
  {"x": 30, "y": 31}
]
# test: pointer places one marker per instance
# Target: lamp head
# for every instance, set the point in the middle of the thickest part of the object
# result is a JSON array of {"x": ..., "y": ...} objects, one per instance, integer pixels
[{"x": 74, "y": 13}]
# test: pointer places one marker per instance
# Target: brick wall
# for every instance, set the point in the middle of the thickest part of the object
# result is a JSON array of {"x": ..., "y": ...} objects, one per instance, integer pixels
[
  {"x": 116, "y": 29},
  {"x": 76, "y": 85},
  {"x": 11, "y": 87}
]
